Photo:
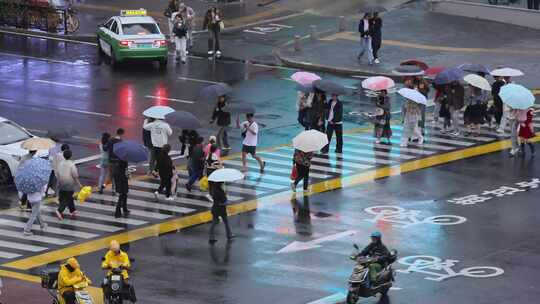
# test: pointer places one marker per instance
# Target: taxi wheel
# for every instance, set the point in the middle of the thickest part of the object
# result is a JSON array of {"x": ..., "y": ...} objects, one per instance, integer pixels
[{"x": 5, "y": 174}]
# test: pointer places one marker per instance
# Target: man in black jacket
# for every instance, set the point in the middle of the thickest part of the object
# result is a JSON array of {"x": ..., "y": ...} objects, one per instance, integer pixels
[
  {"x": 334, "y": 118},
  {"x": 365, "y": 30},
  {"x": 376, "y": 249},
  {"x": 376, "y": 36},
  {"x": 147, "y": 142},
  {"x": 223, "y": 121},
  {"x": 219, "y": 209},
  {"x": 497, "y": 101}
]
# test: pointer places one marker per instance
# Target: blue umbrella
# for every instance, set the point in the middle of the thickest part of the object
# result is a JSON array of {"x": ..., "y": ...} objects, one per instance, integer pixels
[
  {"x": 449, "y": 75},
  {"x": 517, "y": 96},
  {"x": 130, "y": 151},
  {"x": 32, "y": 175}
]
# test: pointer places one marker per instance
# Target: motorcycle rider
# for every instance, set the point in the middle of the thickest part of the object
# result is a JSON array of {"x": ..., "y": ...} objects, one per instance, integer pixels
[
  {"x": 116, "y": 258},
  {"x": 377, "y": 250},
  {"x": 70, "y": 275}
]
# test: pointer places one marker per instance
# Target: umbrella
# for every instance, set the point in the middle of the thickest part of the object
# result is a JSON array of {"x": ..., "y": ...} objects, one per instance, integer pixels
[
  {"x": 130, "y": 151},
  {"x": 449, "y": 75},
  {"x": 225, "y": 175},
  {"x": 330, "y": 87},
  {"x": 433, "y": 71},
  {"x": 378, "y": 83},
  {"x": 32, "y": 175},
  {"x": 507, "y": 72},
  {"x": 413, "y": 95},
  {"x": 62, "y": 133},
  {"x": 415, "y": 62},
  {"x": 184, "y": 120},
  {"x": 211, "y": 93},
  {"x": 304, "y": 89},
  {"x": 157, "y": 112},
  {"x": 37, "y": 143},
  {"x": 305, "y": 78},
  {"x": 474, "y": 68},
  {"x": 477, "y": 81},
  {"x": 517, "y": 96},
  {"x": 373, "y": 9},
  {"x": 240, "y": 108},
  {"x": 309, "y": 141},
  {"x": 408, "y": 70}
]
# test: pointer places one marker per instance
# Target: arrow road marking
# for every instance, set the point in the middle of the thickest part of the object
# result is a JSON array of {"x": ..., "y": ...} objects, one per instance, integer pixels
[{"x": 299, "y": 246}]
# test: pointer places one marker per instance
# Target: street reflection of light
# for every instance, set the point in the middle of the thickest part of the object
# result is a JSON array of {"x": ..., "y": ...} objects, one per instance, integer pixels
[
  {"x": 125, "y": 98},
  {"x": 162, "y": 95}
]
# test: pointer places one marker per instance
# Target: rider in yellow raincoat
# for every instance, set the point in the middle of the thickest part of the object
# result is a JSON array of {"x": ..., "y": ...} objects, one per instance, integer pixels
[
  {"x": 116, "y": 258},
  {"x": 70, "y": 278}
]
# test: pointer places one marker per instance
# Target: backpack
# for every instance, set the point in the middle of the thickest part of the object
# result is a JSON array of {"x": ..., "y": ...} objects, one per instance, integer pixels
[{"x": 180, "y": 29}]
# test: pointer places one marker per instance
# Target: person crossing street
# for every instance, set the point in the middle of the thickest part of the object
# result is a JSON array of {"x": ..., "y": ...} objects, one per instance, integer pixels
[
  {"x": 334, "y": 119},
  {"x": 180, "y": 32},
  {"x": 159, "y": 134},
  {"x": 250, "y": 133}
]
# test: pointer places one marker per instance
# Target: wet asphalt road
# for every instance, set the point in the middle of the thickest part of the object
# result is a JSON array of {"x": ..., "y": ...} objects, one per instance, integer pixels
[{"x": 499, "y": 233}]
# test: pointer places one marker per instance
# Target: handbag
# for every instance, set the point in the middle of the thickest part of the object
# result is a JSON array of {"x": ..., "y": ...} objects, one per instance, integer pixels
[
  {"x": 294, "y": 172},
  {"x": 221, "y": 25},
  {"x": 203, "y": 183}
]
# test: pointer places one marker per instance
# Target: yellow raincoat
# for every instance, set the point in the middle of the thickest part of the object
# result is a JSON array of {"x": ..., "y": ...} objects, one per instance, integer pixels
[
  {"x": 113, "y": 260},
  {"x": 67, "y": 279}
]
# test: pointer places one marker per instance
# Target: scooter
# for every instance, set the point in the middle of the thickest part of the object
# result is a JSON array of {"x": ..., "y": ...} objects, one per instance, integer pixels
[
  {"x": 116, "y": 289},
  {"x": 360, "y": 284},
  {"x": 49, "y": 281}
]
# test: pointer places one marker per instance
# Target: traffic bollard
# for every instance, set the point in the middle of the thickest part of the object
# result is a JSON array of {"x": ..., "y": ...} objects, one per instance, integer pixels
[
  {"x": 297, "y": 46},
  {"x": 313, "y": 34},
  {"x": 341, "y": 26}
]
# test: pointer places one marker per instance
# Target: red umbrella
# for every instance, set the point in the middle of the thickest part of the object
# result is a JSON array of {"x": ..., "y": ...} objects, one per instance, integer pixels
[
  {"x": 433, "y": 71},
  {"x": 416, "y": 62}
]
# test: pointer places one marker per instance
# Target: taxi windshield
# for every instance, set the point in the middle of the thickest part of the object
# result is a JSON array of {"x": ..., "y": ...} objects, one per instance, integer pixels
[
  {"x": 140, "y": 29},
  {"x": 11, "y": 133}
]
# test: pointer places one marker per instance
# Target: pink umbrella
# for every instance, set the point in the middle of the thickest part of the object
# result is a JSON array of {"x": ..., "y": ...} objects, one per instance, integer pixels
[
  {"x": 378, "y": 83},
  {"x": 304, "y": 78},
  {"x": 433, "y": 71}
]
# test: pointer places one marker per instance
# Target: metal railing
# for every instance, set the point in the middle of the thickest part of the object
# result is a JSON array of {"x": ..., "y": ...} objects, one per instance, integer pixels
[{"x": 36, "y": 15}]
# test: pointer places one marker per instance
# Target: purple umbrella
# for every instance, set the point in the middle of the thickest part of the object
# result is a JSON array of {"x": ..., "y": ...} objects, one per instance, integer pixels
[
  {"x": 449, "y": 75},
  {"x": 130, "y": 151}
]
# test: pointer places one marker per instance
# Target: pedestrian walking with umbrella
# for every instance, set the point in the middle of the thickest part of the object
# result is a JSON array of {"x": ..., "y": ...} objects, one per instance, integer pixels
[
  {"x": 503, "y": 76},
  {"x": 475, "y": 113},
  {"x": 222, "y": 117},
  {"x": 159, "y": 131},
  {"x": 166, "y": 173},
  {"x": 31, "y": 178},
  {"x": 381, "y": 117},
  {"x": 216, "y": 184},
  {"x": 376, "y": 37},
  {"x": 125, "y": 151},
  {"x": 250, "y": 135},
  {"x": 412, "y": 116},
  {"x": 305, "y": 144}
]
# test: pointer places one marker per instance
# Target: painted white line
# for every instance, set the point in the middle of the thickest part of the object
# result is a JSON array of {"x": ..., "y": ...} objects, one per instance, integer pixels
[
  {"x": 170, "y": 99},
  {"x": 7, "y": 100},
  {"x": 280, "y": 25},
  {"x": 359, "y": 76},
  {"x": 34, "y": 238},
  {"x": 274, "y": 66},
  {"x": 87, "y": 159},
  {"x": 19, "y": 246},
  {"x": 80, "y": 86},
  {"x": 8, "y": 255},
  {"x": 85, "y": 112},
  {"x": 66, "y": 221},
  {"x": 199, "y": 80},
  {"x": 77, "y": 63},
  {"x": 331, "y": 299},
  {"x": 144, "y": 204},
  {"x": 54, "y": 230},
  {"x": 48, "y": 37},
  {"x": 254, "y": 32}
]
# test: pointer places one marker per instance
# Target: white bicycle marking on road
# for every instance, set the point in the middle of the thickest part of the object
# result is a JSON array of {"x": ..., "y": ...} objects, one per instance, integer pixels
[
  {"x": 404, "y": 218},
  {"x": 439, "y": 270},
  {"x": 267, "y": 28}
]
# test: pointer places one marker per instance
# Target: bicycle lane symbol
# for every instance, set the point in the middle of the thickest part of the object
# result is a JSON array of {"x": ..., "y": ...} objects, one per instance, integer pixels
[
  {"x": 404, "y": 218},
  {"x": 439, "y": 270},
  {"x": 267, "y": 28}
]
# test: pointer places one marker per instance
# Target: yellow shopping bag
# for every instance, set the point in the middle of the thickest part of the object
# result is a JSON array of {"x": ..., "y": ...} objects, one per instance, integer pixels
[
  {"x": 84, "y": 194},
  {"x": 203, "y": 183}
]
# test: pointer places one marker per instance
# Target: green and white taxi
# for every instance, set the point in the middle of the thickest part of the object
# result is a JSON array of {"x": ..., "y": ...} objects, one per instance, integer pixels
[{"x": 132, "y": 36}]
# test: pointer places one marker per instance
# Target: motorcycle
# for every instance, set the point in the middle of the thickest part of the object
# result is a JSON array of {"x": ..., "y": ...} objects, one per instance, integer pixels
[
  {"x": 115, "y": 288},
  {"x": 360, "y": 284},
  {"x": 49, "y": 281}
]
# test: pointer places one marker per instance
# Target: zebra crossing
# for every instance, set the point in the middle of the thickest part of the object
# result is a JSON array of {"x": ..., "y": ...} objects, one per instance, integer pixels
[{"x": 95, "y": 217}]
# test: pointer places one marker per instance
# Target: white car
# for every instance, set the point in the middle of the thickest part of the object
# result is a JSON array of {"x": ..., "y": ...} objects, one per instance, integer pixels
[{"x": 11, "y": 137}]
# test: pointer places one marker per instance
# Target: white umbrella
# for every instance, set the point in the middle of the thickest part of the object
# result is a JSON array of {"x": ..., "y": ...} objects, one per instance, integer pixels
[
  {"x": 507, "y": 72},
  {"x": 157, "y": 112},
  {"x": 225, "y": 175},
  {"x": 413, "y": 95},
  {"x": 309, "y": 141},
  {"x": 477, "y": 81}
]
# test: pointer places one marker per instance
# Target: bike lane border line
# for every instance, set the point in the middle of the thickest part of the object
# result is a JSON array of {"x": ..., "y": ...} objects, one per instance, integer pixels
[{"x": 250, "y": 205}]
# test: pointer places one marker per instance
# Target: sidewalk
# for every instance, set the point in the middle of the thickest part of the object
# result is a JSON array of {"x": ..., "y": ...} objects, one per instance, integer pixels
[{"x": 412, "y": 33}]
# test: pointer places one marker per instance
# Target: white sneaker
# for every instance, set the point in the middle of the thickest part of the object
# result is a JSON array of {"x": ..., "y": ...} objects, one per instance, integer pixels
[
  {"x": 218, "y": 53},
  {"x": 156, "y": 195},
  {"x": 377, "y": 61},
  {"x": 377, "y": 141},
  {"x": 403, "y": 145},
  {"x": 44, "y": 227},
  {"x": 28, "y": 233},
  {"x": 170, "y": 198},
  {"x": 209, "y": 198},
  {"x": 210, "y": 52},
  {"x": 501, "y": 131},
  {"x": 421, "y": 140},
  {"x": 293, "y": 187}
]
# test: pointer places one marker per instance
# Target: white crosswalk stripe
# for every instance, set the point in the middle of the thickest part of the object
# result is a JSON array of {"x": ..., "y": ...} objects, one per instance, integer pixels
[
  {"x": 269, "y": 168},
  {"x": 8, "y": 255},
  {"x": 66, "y": 221},
  {"x": 102, "y": 217},
  {"x": 19, "y": 246},
  {"x": 144, "y": 204},
  {"x": 78, "y": 234},
  {"x": 140, "y": 213},
  {"x": 35, "y": 238},
  {"x": 286, "y": 152}
]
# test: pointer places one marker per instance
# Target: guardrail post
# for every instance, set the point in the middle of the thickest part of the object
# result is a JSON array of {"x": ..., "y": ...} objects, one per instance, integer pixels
[
  {"x": 341, "y": 26},
  {"x": 297, "y": 43},
  {"x": 313, "y": 32}
]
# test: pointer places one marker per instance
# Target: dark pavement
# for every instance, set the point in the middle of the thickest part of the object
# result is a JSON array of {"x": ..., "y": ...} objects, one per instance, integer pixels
[{"x": 499, "y": 233}]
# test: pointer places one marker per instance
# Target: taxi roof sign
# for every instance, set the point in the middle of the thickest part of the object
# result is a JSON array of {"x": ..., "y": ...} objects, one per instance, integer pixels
[{"x": 133, "y": 13}]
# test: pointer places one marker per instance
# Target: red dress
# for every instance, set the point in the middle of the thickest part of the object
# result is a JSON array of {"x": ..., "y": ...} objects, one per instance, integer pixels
[{"x": 526, "y": 129}]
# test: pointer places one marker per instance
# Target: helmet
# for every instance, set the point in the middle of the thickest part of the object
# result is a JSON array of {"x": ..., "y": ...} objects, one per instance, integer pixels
[
  {"x": 376, "y": 234},
  {"x": 114, "y": 246},
  {"x": 73, "y": 263}
]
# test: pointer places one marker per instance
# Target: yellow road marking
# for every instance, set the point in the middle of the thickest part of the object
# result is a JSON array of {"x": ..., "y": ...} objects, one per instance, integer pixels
[
  {"x": 205, "y": 217},
  {"x": 354, "y": 37}
]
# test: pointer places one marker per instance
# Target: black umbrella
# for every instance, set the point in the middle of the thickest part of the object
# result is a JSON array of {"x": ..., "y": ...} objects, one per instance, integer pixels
[
  {"x": 304, "y": 89},
  {"x": 62, "y": 133},
  {"x": 408, "y": 70},
  {"x": 370, "y": 9},
  {"x": 211, "y": 93},
  {"x": 330, "y": 87},
  {"x": 474, "y": 68},
  {"x": 183, "y": 120},
  {"x": 240, "y": 108}
]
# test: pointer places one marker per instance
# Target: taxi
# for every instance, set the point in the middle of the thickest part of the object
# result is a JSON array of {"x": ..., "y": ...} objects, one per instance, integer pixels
[{"x": 132, "y": 36}]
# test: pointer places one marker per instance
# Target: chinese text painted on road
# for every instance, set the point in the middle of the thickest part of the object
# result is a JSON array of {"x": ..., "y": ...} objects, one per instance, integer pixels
[{"x": 473, "y": 199}]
